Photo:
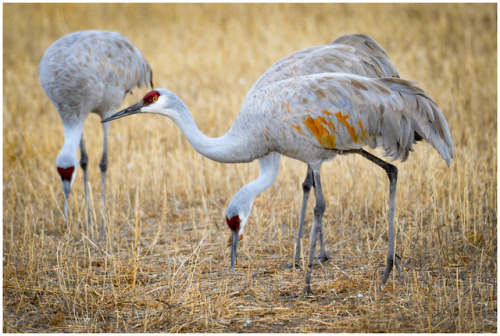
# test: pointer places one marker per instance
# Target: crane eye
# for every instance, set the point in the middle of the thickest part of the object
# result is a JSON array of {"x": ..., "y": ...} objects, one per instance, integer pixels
[{"x": 151, "y": 97}]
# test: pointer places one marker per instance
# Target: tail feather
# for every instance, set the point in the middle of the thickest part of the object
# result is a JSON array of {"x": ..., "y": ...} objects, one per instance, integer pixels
[{"x": 425, "y": 119}]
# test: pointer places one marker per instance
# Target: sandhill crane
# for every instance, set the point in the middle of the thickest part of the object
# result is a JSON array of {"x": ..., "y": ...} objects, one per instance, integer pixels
[
  {"x": 83, "y": 72},
  {"x": 313, "y": 118},
  {"x": 356, "y": 54}
]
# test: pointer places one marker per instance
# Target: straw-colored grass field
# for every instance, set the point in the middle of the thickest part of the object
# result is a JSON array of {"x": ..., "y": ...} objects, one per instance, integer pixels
[{"x": 165, "y": 264}]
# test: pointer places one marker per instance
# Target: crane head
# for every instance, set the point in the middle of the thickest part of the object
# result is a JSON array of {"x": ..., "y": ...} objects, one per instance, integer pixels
[
  {"x": 150, "y": 99},
  {"x": 237, "y": 213},
  {"x": 236, "y": 223},
  {"x": 67, "y": 164},
  {"x": 159, "y": 101}
]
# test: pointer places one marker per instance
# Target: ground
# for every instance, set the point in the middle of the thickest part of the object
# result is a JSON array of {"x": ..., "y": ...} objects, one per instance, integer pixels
[{"x": 163, "y": 266}]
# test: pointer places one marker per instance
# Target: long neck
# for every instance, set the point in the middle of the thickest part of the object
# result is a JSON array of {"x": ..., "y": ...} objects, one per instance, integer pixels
[
  {"x": 67, "y": 155},
  {"x": 242, "y": 202},
  {"x": 269, "y": 167},
  {"x": 233, "y": 147}
]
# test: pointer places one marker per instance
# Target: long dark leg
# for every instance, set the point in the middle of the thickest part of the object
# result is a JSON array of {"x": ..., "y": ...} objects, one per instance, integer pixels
[
  {"x": 306, "y": 188},
  {"x": 84, "y": 161},
  {"x": 319, "y": 209},
  {"x": 323, "y": 255},
  {"x": 392, "y": 173},
  {"x": 103, "y": 165}
]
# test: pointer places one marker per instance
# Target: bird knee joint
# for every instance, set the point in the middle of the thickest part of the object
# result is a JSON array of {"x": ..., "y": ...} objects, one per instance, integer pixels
[
  {"x": 103, "y": 164},
  {"x": 84, "y": 162},
  {"x": 319, "y": 209},
  {"x": 306, "y": 186},
  {"x": 392, "y": 172}
]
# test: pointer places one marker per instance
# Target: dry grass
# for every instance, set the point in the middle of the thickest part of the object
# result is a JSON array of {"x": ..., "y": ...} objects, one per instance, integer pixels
[{"x": 165, "y": 264}]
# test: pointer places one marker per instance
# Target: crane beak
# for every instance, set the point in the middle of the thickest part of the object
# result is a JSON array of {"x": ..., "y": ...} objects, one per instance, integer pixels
[
  {"x": 66, "y": 189},
  {"x": 133, "y": 109},
  {"x": 235, "y": 237}
]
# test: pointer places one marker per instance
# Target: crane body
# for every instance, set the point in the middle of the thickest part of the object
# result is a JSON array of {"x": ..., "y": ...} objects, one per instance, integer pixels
[
  {"x": 313, "y": 118},
  {"x": 351, "y": 53},
  {"x": 83, "y": 72}
]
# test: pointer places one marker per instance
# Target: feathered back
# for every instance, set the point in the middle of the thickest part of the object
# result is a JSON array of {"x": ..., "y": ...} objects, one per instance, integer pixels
[
  {"x": 345, "y": 111},
  {"x": 87, "y": 67},
  {"x": 367, "y": 46},
  {"x": 356, "y": 54}
]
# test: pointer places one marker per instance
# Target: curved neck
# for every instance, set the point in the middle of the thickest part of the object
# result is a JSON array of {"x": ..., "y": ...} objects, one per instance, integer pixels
[
  {"x": 269, "y": 167},
  {"x": 233, "y": 147},
  {"x": 67, "y": 155},
  {"x": 242, "y": 202}
]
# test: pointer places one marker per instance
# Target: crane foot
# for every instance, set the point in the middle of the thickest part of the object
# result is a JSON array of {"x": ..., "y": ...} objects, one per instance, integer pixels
[
  {"x": 307, "y": 291},
  {"x": 294, "y": 265},
  {"x": 323, "y": 257},
  {"x": 390, "y": 263}
]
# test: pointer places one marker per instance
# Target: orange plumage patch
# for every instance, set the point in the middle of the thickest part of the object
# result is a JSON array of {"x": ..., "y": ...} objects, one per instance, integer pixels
[
  {"x": 322, "y": 134},
  {"x": 297, "y": 128},
  {"x": 363, "y": 132},
  {"x": 352, "y": 132}
]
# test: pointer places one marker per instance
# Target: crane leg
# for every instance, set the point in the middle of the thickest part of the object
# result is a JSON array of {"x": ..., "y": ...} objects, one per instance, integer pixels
[
  {"x": 84, "y": 160},
  {"x": 323, "y": 255},
  {"x": 392, "y": 174},
  {"x": 306, "y": 188},
  {"x": 319, "y": 209},
  {"x": 103, "y": 165}
]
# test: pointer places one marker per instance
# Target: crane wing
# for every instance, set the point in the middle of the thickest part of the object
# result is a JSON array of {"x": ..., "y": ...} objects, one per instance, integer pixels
[
  {"x": 369, "y": 47},
  {"x": 345, "y": 111},
  {"x": 356, "y": 54},
  {"x": 89, "y": 62},
  {"x": 124, "y": 63}
]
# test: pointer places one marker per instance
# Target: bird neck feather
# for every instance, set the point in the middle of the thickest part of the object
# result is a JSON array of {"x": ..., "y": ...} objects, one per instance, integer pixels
[{"x": 233, "y": 147}]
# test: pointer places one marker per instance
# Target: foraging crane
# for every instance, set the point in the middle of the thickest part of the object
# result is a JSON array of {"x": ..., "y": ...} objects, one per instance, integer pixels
[
  {"x": 356, "y": 54},
  {"x": 89, "y": 71},
  {"x": 313, "y": 118}
]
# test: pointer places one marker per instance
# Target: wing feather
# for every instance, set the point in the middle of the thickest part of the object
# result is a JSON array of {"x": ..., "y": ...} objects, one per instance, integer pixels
[
  {"x": 359, "y": 111},
  {"x": 124, "y": 62},
  {"x": 379, "y": 60},
  {"x": 357, "y": 54},
  {"x": 90, "y": 62}
]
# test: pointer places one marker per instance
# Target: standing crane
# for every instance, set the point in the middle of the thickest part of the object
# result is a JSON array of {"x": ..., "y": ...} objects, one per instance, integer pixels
[
  {"x": 358, "y": 54},
  {"x": 89, "y": 71},
  {"x": 313, "y": 118}
]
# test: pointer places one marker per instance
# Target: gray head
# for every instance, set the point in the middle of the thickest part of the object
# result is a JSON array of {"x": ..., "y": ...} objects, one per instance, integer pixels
[
  {"x": 67, "y": 164},
  {"x": 159, "y": 101},
  {"x": 237, "y": 214}
]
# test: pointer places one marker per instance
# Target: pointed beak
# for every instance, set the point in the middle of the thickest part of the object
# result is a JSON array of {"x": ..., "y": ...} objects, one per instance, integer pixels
[
  {"x": 133, "y": 109},
  {"x": 235, "y": 237},
  {"x": 67, "y": 188}
]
